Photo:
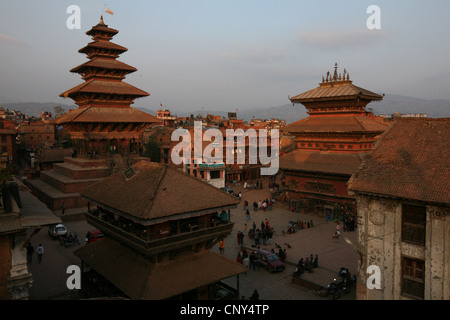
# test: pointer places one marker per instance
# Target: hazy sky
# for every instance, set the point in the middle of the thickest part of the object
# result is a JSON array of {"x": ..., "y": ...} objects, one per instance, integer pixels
[{"x": 226, "y": 54}]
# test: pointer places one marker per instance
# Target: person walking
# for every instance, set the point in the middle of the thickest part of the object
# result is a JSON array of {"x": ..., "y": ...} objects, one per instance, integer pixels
[
  {"x": 222, "y": 247},
  {"x": 255, "y": 295},
  {"x": 30, "y": 252},
  {"x": 40, "y": 252}
]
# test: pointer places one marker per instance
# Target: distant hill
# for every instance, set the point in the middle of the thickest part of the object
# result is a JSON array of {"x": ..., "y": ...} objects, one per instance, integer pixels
[
  {"x": 34, "y": 108},
  {"x": 395, "y": 103},
  {"x": 390, "y": 104}
]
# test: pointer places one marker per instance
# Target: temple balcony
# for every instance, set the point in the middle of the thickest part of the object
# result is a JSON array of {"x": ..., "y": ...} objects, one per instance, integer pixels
[{"x": 153, "y": 240}]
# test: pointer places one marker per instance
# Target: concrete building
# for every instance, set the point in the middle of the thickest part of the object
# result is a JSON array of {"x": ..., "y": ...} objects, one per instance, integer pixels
[{"x": 402, "y": 191}]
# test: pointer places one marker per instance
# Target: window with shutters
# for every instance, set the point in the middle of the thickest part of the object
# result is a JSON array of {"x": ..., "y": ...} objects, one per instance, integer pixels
[
  {"x": 413, "y": 271},
  {"x": 413, "y": 224}
]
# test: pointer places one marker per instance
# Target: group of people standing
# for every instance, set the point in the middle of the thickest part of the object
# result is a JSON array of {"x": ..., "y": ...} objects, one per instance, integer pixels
[
  {"x": 307, "y": 264},
  {"x": 263, "y": 205},
  {"x": 264, "y": 235}
]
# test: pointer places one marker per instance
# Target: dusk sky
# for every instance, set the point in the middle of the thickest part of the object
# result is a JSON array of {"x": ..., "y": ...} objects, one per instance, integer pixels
[{"x": 228, "y": 55}]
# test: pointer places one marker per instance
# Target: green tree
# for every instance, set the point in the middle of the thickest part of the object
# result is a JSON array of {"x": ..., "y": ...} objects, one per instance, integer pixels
[{"x": 153, "y": 150}]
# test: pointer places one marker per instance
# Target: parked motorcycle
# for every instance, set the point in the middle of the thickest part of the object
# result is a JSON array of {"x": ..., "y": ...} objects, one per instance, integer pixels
[
  {"x": 69, "y": 239},
  {"x": 333, "y": 289}
]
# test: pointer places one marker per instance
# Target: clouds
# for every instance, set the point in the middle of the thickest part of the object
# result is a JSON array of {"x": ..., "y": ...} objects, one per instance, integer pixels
[
  {"x": 251, "y": 54},
  {"x": 341, "y": 39},
  {"x": 8, "y": 40}
]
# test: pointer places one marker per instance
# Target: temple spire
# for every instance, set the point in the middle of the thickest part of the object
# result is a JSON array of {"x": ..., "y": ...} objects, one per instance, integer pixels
[{"x": 335, "y": 76}]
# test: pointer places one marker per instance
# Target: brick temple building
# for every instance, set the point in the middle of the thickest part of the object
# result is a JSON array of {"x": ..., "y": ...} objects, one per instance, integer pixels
[
  {"x": 331, "y": 143},
  {"x": 106, "y": 131},
  {"x": 157, "y": 243}
]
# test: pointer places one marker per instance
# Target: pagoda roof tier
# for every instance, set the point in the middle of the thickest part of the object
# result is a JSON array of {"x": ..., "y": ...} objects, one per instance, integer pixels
[
  {"x": 108, "y": 45},
  {"x": 325, "y": 162},
  {"x": 104, "y": 64},
  {"x": 146, "y": 280},
  {"x": 105, "y": 87},
  {"x": 155, "y": 189},
  {"x": 101, "y": 30},
  {"x": 346, "y": 124},
  {"x": 338, "y": 90},
  {"x": 334, "y": 87},
  {"x": 105, "y": 115}
]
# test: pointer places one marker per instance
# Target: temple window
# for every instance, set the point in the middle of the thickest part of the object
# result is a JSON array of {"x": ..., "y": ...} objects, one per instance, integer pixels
[
  {"x": 413, "y": 224},
  {"x": 413, "y": 277}
]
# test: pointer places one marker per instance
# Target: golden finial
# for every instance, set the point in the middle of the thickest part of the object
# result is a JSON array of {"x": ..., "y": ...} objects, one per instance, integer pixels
[{"x": 101, "y": 20}]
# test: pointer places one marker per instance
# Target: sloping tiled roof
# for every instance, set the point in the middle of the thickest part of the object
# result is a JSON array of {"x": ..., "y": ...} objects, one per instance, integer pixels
[
  {"x": 326, "y": 162},
  {"x": 103, "y": 45},
  {"x": 343, "y": 89},
  {"x": 106, "y": 87},
  {"x": 411, "y": 160},
  {"x": 336, "y": 124},
  {"x": 105, "y": 64},
  {"x": 141, "y": 279},
  {"x": 102, "y": 27},
  {"x": 157, "y": 191},
  {"x": 106, "y": 114}
]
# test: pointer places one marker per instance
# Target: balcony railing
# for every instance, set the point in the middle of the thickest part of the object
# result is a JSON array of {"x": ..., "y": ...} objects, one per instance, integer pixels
[{"x": 168, "y": 243}]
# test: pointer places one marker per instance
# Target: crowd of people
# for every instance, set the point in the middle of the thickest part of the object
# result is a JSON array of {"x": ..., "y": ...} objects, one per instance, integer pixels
[
  {"x": 307, "y": 264},
  {"x": 261, "y": 205},
  {"x": 300, "y": 225}
]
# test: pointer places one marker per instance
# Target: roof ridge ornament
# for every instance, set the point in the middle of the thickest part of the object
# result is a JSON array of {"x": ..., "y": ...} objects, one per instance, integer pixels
[{"x": 335, "y": 75}]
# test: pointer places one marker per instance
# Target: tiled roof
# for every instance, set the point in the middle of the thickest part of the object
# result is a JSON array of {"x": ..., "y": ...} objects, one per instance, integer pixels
[
  {"x": 10, "y": 223},
  {"x": 140, "y": 279},
  {"x": 103, "y": 45},
  {"x": 411, "y": 160},
  {"x": 344, "y": 90},
  {"x": 102, "y": 27},
  {"x": 105, "y": 64},
  {"x": 336, "y": 124},
  {"x": 157, "y": 191},
  {"x": 106, "y": 87},
  {"x": 326, "y": 162},
  {"x": 106, "y": 114}
]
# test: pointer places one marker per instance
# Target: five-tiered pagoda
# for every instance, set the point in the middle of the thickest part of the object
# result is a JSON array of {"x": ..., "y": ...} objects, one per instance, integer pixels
[
  {"x": 106, "y": 131},
  {"x": 104, "y": 121}
]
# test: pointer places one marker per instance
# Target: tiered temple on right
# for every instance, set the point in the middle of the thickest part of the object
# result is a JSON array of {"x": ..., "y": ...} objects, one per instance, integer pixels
[{"x": 331, "y": 143}]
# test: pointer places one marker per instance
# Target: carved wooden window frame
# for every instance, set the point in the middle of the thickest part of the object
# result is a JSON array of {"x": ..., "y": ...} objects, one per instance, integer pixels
[
  {"x": 414, "y": 224},
  {"x": 413, "y": 277}
]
